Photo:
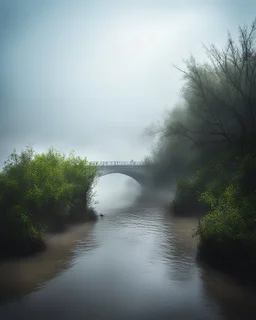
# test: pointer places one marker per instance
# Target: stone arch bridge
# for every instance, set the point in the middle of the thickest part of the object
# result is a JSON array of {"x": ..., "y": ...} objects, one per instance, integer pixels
[{"x": 134, "y": 169}]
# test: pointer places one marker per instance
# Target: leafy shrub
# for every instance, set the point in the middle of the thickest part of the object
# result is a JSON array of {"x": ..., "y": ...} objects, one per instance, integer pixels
[
  {"x": 228, "y": 232},
  {"x": 42, "y": 191},
  {"x": 19, "y": 235}
]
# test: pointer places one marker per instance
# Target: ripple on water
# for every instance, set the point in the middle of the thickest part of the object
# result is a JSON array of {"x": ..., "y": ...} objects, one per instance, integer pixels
[{"x": 135, "y": 263}]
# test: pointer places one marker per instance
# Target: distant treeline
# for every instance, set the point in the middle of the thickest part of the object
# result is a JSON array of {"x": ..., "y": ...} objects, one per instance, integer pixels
[
  {"x": 207, "y": 150},
  {"x": 40, "y": 192}
]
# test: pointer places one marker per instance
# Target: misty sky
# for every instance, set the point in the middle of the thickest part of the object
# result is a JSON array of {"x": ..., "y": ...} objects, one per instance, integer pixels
[{"x": 91, "y": 75}]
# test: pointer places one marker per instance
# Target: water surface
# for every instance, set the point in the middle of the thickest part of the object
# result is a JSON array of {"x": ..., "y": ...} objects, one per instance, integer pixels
[{"x": 135, "y": 263}]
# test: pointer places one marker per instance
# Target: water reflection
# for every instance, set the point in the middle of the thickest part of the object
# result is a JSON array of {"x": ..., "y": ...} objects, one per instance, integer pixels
[
  {"x": 179, "y": 248},
  {"x": 235, "y": 302},
  {"x": 20, "y": 277}
]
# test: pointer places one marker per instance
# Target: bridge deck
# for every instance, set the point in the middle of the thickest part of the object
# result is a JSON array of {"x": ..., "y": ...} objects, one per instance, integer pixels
[{"x": 117, "y": 163}]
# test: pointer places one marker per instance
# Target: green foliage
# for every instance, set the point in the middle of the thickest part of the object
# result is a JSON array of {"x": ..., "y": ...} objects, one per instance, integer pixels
[
  {"x": 18, "y": 234},
  {"x": 227, "y": 219},
  {"x": 42, "y": 191},
  {"x": 217, "y": 114},
  {"x": 228, "y": 231},
  {"x": 208, "y": 144},
  {"x": 186, "y": 199},
  {"x": 212, "y": 177}
]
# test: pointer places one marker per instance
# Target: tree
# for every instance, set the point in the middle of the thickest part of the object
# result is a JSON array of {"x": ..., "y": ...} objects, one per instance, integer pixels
[{"x": 220, "y": 95}]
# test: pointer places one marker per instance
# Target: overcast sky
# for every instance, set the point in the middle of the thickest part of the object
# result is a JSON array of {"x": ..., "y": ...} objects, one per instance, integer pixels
[{"x": 91, "y": 75}]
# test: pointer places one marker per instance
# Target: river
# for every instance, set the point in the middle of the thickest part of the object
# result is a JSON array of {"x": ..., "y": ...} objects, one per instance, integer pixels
[{"x": 137, "y": 262}]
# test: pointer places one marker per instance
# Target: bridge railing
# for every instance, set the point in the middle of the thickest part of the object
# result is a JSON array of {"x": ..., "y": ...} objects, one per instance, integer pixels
[{"x": 116, "y": 163}]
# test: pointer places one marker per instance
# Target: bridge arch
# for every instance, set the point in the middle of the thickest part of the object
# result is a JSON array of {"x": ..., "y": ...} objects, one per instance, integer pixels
[
  {"x": 133, "y": 169},
  {"x": 140, "y": 178}
]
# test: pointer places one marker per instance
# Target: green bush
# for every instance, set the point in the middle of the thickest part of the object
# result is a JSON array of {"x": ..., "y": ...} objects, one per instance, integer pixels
[
  {"x": 19, "y": 236},
  {"x": 228, "y": 232},
  {"x": 40, "y": 192},
  {"x": 213, "y": 177},
  {"x": 229, "y": 218},
  {"x": 226, "y": 190}
]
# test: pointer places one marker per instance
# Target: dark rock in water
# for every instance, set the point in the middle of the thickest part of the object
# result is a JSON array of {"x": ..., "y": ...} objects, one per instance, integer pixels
[{"x": 101, "y": 215}]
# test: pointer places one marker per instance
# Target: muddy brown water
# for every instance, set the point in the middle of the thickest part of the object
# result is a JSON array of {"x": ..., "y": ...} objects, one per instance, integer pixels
[{"x": 134, "y": 263}]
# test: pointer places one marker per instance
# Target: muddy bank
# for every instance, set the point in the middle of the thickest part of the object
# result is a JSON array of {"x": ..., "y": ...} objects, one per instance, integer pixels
[{"x": 21, "y": 276}]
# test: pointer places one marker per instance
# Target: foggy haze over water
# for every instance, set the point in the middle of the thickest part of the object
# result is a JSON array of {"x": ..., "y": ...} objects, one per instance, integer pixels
[{"x": 91, "y": 75}]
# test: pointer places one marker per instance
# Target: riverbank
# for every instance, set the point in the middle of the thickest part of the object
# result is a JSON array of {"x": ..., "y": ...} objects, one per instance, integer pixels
[
  {"x": 20, "y": 276},
  {"x": 40, "y": 245},
  {"x": 234, "y": 259},
  {"x": 233, "y": 256},
  {"x": 205, "y": 148},
  {"x": 41, "y": 193},
  {"x": 227, "y": 230}
]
